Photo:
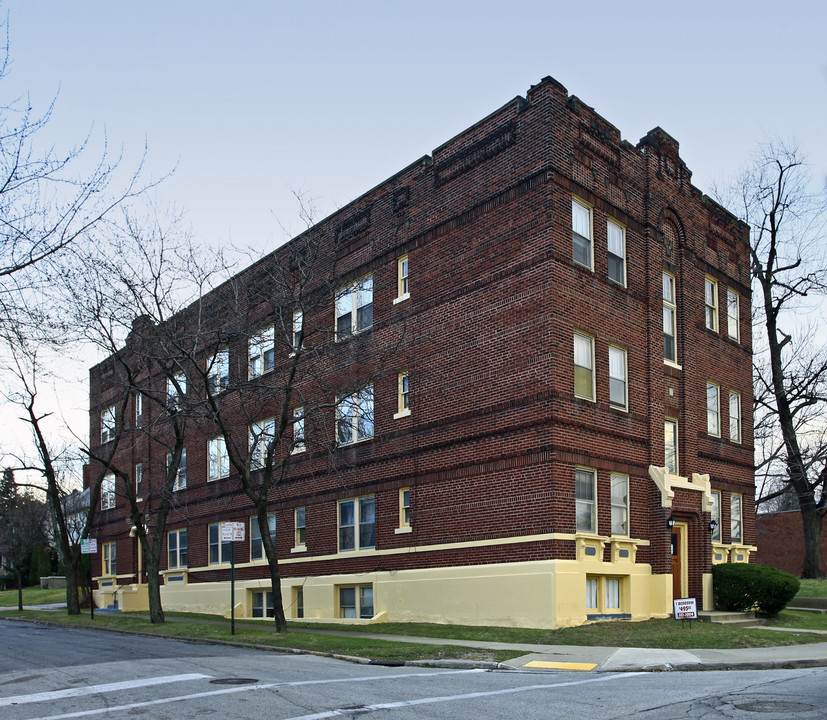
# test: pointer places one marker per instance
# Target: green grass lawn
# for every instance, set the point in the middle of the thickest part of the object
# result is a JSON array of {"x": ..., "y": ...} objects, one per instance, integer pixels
[
  {"x": 32, "y": 596},
  {"x": 813, "y": 588}
]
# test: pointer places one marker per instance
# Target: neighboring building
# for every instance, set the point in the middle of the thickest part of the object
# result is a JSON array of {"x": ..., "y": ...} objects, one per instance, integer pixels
[
  {"x": 781, "y": 541},
  {"x": 581, "y": 379}
]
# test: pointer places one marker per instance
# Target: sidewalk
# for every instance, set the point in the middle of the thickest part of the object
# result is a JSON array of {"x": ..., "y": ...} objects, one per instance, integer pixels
[{"x": 529, "y": 657}]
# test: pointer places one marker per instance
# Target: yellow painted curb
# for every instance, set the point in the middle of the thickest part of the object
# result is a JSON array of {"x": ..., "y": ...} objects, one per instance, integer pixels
[{"x": 560, "y": 665}]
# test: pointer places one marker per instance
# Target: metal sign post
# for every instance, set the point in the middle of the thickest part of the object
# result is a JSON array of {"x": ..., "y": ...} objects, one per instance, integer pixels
[
  {"x": 231, "y": 532},
  {"x": 89, "y": 546}
]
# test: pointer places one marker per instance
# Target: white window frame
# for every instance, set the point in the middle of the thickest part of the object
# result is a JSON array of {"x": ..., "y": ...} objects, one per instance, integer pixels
[
  {"x": 584, "y": 353},
  {"x": 175, "y": 397},
  {"x": 670, "y": 319},
  {"x": 715, "y": 515},
  {"x": 404, "y": 509},
  {"x": 181, "y": 474},
  {"x": 108, "y": 492},
  {"x": 736, "y": 517},
  {"x": 355, "y": 417},
  {"x": 218, "y": 459},
  {"x": 261, "y": 351},
  {"x": 618, "y": 377},
  {"x": 619, "y": 495},
  {"x": 363, "y": 603},
  {"x": 223, "y": 550},
  {"x": 139, "y": 481},
  {"x": 261, "y": 604},
  {"x": 713, "y": 409},
  {"x": 109, "y": 424},
  {"x": 735, "y": 416},
  {"x": 297, "y": 339},
  {"x": 139, "y": 409},
  {"x": 581, "y": 232},
  {"x": 402, "y": 279},
  {"x": 403, "y": 395},
  {"x": 176, "y": 559},
  {"x": 585, "y": 505},
  {"x": 109, "y": 558},
  {"x": 352, "y": 300},
  {"x": 360, "y": 532},
  {"x": 711, "y": 303},
  {"x": 256, "y": 541},
  {"x": 261, "y": 434},
  {"x": 300, "y": 527},
  {"x": 218, "y": 371},
  {"x": 616, "y": 248},
  {"x": 299, "y": 438},
  {"x": 671, "y": 450},
  {"x": 733, "y": 309}
]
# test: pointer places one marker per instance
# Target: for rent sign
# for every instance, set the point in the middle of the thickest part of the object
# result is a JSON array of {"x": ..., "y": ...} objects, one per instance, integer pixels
[{"x": 686, "y": 609}]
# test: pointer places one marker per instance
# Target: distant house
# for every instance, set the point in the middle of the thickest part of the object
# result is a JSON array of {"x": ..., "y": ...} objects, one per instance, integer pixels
[
  {"x": 781, "y": 541},
  {"x": 570, "y": 440}
]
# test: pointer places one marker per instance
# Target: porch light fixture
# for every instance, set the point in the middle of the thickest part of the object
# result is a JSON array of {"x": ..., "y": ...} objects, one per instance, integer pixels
[
  {"x": 712, "y": 525},
  {"x": 670, "y": 523}
]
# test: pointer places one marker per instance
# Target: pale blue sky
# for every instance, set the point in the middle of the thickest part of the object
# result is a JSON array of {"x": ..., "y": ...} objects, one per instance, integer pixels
[{"x": 251, "y": 100}]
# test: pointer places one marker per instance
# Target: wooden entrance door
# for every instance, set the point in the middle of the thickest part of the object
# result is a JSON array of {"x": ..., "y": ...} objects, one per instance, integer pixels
[{"x": 678, "y": 540}]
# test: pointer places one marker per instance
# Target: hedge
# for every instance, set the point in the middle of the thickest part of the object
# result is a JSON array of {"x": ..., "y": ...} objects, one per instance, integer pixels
[{"x": 743, "y": 586}]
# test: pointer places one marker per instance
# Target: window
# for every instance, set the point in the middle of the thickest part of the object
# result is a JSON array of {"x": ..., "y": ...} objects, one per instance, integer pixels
[
  {"x": 256, "y": 543},
  {"x": 617, "y": 377},
  {"x": 261, "y": 353},
  {"x": 735, "y": 524},
  {"x": 298, "y": 329},
  {"x": 348, "y": 598},
  {"x": 732, "y": 315},
  {"x": 298, "y": 431},
  {"x": 620, "y": 504},
  {"x": 298, "y": 601},
  {"x": 108, "y": 492},
  {"x": 110, "y": 558},
  {"x": 612, "y": 593},
  {"x": 176, "y": 389},
  {"x": 713, "y": 420},
  {"x": 108, "y": 425},
  {"x": 139, "y": 409},
  {"x": 219, "y": 552},
  {"x": 607, "y": 589},
  {"x": 734, "y": 416},
  {"x": 218, "y": 372},
  {"x": 591, "y": 593},
  {"x": 715, "y": 514},
  {"x": 616, "y": 236},
  {"x": 402, "y": 291},
  {"x": 405, "y": 508},
  {"x": 583, "y": 366},
  {"x": 299, "y": 516},
  {"x": 403, "y": 404},
  {"x": 357, "y": 513},
  {"x": 581, "y": 233},
  {"x": 262, "y": 437},
  {"x": 670, "y": 341},
  {"x": 711, "y": 304},
  {"x": 139, "y": 481},
  {"x": 584, "y": 482},
  {"x": 262, "y": 602},
  {"x": 177, "y": 549},
  {"x": 181, "y": 475},
  {"x": 670, "y": 441},
  {"x": 354, "y": 417},
  {"x": 354, "y": 308},
  {"x": 218, "y": 461}
]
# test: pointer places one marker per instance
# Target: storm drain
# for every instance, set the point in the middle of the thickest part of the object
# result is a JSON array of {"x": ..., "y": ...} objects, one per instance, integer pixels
[
  {"x": 233, "y": 681},
  {"x": 775, "y": 707}
]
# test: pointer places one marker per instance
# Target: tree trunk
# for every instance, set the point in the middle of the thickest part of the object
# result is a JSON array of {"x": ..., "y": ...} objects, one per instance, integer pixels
[
  {"x": 152, "y": 558},
  {"x": 19, "y": 574},
  {"x": 73, "y": 568},
  {"x": 811, "y": 521},
  {"x": 278, "y": 607}
]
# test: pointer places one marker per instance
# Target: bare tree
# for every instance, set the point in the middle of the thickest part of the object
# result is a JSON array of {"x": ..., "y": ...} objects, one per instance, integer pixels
[{"x": 789, "y": 269}]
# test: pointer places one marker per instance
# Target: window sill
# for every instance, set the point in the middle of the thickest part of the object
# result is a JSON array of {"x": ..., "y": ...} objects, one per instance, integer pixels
[
  {"x": 619, "y": 408},
  {"x": 357, "y": 553},
  {"x": 401, "y": 414},
  {"x": 672, "y": 364},
  {"x": 299, "y": 549},
  {"x": 583, "y": 397},
  {"x": 298, "y": 450},
  {"x": 401, "y": 298},
  {"x": 355, "y": 442},
  {"x": 402, "y": 530}
]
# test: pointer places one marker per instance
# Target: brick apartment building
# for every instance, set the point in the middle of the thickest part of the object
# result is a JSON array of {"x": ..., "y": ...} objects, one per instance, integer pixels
[{"x": 568, "y": 435}]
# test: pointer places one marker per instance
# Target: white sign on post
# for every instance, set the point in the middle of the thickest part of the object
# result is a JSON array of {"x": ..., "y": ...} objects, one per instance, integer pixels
[
  {"x": 686, "y": 609},
  {"x": 232, "y": 531},
  {"x": 89, "y": 546}
]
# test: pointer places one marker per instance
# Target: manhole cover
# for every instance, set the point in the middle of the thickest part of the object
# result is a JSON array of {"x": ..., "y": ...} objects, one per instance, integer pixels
[
  {"x": 775, "y": 707},
  {"x": 233, "y": 681}
]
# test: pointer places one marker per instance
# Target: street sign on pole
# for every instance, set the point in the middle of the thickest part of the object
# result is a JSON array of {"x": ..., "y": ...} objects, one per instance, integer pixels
[
  {"x": 89, "y": 546},
  {"x": 232, "y": 531}
]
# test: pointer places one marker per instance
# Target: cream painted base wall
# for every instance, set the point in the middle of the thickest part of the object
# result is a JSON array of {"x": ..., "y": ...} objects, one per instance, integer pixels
[{"x": 542, "y": 594}]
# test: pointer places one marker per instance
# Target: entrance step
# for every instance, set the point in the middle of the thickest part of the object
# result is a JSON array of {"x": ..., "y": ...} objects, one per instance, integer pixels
[{"x": 723, "y": 617}]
